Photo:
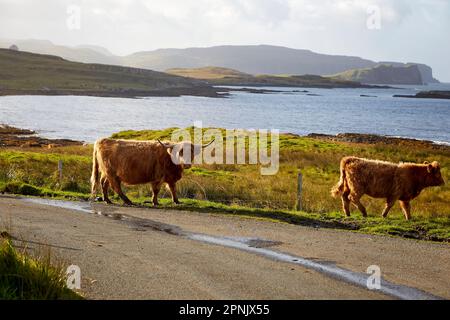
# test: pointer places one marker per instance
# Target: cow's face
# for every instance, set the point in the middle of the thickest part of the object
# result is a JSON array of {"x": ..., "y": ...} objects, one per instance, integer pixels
[
  {"x": 183, "y": 153},
  {"x": 434, "y": 177}
]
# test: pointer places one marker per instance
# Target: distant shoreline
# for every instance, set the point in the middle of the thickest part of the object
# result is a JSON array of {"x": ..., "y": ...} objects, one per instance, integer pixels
[
  {"x": 214, "y": 91},
  {"x": 206, "y": 91},
  {"x": 434, "y": 94},
  {"x": 16, "y": 137}
]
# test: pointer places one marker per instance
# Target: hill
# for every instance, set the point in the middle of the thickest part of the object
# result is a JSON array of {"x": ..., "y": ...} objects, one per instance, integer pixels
[
  {"x": 207, "y": 73},
  {"x": 425, "y": 71},
  {"x": 85, "y": 54},
  {"x": 384, "y": 74},
  {"x": 252, "y": 59},
  {"x": 261, "y": 59},
  {"x": 30, "y": 73},
  {"x": 224, "y": 76}
]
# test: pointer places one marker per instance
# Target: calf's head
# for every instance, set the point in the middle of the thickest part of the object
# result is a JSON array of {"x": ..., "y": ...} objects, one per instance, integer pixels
[
  {"x": 434, "y": 177},
  {"x": 183, "y": 153}
]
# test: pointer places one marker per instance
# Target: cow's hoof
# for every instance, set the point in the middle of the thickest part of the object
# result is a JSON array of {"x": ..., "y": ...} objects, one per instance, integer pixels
[{"x": 156, "y": 204}]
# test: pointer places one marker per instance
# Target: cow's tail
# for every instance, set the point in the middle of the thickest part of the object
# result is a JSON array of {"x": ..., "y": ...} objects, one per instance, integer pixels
[
  {"x": 338, "y": 189},
  {"x": 95, "y": 174}
]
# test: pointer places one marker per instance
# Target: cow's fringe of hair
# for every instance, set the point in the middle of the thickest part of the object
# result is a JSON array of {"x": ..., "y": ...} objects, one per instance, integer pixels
[
  {"x": 338, "y": 189},
  {"x": 94, "y": 176}
]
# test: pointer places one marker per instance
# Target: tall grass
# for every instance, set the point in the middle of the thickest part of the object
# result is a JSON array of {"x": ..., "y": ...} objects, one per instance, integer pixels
[{"x": 30, "y": 278}]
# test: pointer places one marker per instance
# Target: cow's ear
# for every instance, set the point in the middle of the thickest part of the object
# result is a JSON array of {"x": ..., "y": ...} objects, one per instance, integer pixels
[
  {"x": 436, "y": 165},
  {"x": 425, "y": 162},
  {"x": 171, "y": 153},
  {"x": 174, "y": 152},
  {"x": 430, "y": 168}
]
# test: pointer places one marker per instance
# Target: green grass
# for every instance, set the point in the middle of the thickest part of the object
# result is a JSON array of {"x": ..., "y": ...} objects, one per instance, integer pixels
[
  {"x": 224, "y": 188},
  {"x": 30, "y": 278}
]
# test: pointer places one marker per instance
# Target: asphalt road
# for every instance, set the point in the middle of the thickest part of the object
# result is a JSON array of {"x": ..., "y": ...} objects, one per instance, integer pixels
[{"x": 143, "y": 253}]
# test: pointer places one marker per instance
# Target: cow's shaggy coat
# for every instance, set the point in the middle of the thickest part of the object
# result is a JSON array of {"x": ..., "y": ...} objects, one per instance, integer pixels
[
  {"x": 380, "y": 179},
  {"x": 136, "y": 162}
]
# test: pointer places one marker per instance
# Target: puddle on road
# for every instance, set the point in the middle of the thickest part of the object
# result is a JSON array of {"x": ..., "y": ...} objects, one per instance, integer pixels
[
  {"x": 74, "y": 205},
  {"x": 252, "y": 245},
  {"x": 137, "y": 224}
]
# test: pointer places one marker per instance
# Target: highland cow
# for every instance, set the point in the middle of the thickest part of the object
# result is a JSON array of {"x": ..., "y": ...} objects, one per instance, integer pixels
[
  {"x": 138, "y": 162},
  {"x": 380, "y": 179}
]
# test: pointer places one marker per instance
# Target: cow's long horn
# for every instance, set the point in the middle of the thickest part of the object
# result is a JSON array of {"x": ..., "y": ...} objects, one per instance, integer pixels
[
  {"x": 205, "y": 145},
  {"x": 165, "y": 145}
]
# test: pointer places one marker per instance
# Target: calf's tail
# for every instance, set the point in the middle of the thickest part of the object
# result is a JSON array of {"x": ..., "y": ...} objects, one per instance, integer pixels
[
  {"x": 95, "y": 175},
  {"x": 338, "y": 189}
]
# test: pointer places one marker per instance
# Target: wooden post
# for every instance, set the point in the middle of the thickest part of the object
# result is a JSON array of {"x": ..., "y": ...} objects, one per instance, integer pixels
[
  {"x": 60, "y": 166},
  {"x": 299, "y": 192}
]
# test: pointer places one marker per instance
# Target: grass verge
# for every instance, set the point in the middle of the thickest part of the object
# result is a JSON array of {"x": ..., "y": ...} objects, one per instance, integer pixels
[{"x": 30, "y": 278}]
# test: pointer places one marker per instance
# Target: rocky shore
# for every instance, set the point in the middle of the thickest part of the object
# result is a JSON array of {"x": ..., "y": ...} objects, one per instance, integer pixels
[
  {"x": 378, "y": 139},
  {"x": 427, "y": 95},
  {"x": 24, "y": 138},
  {"x": 200, "y": 91}
]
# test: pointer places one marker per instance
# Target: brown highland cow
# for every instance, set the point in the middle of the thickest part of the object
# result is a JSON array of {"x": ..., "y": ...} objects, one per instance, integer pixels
[
  {"x": 381, "y": 179},
  {"x": 137, "y": 162}
]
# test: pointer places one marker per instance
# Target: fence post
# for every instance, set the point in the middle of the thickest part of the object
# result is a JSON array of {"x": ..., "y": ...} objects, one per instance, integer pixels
[
  {"x": 60, "y": 166},
  {"x": 298, "y": 206}
]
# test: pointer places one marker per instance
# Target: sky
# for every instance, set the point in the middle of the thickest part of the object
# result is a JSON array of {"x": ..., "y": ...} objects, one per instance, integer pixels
[{"x": 380, "y": 30}]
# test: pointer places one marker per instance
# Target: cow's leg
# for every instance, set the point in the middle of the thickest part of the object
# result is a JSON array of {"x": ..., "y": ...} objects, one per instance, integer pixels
[
  {"x": 115, "y": 184},
  {"x": 355, "y": 198},
  {"x": 105, "y": 187},
  {"x": 406, "y": 208},
  {"x": 346, "y": 203},
  {"x": 389, "y": 204},
  {"x": 156, "y": 187},
  {"x": 173, "y": 191}
]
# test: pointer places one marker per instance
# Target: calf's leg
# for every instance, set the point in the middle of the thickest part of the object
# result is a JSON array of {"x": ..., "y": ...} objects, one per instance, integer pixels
[
  {"x": 115, "y": 184},
  {"x": 173, "y": 191},
  {"x": 105, "y": 187},
  {"x": 406, "y": 208},
  {"x": 156, "y": 187},
  {"x": 389, "y": 204},
  {"x": 355, "y": 199},
  {"x": 346, "y": 203}
]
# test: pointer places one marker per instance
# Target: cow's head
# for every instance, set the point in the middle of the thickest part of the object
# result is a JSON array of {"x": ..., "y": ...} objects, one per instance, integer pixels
[
  {"x": 183, "y": 153},
  {"x": 434, "y": 177}
]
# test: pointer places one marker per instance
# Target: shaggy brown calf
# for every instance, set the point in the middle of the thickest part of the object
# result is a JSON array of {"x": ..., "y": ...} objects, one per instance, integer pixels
[
  {"x": 137, "y": 162},
  {"x": 380, "y": 179}
]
